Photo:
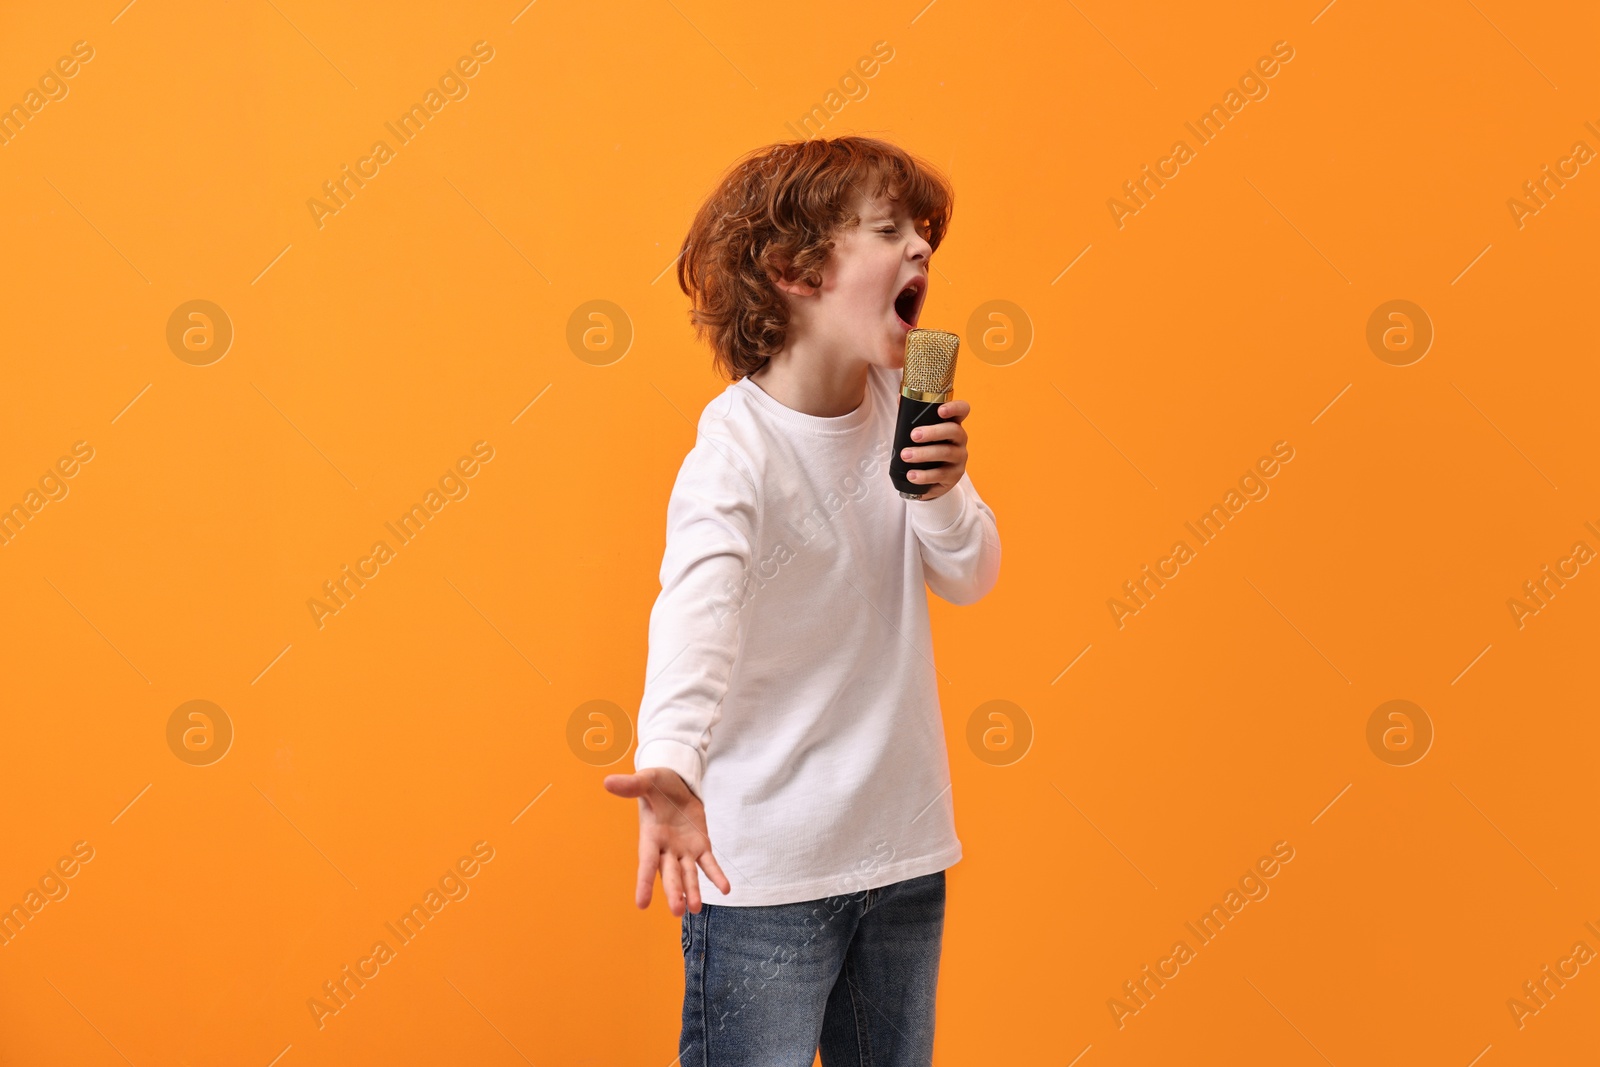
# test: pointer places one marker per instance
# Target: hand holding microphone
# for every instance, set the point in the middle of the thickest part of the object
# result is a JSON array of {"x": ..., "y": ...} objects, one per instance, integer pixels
[{"x": 930, "y": 444}]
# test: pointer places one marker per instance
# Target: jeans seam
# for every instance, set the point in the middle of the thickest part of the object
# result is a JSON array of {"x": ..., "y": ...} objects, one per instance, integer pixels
[
  {"x": 863, "y": 1045},
  {"x": 700, "y": 978}
]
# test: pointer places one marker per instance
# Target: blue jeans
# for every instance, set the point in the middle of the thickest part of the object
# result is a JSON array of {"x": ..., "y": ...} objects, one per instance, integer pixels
[{"x": 850, "y": 976}]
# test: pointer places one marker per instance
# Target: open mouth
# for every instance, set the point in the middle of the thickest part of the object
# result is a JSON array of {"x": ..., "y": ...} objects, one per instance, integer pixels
[{"x": 908, "y": 305}]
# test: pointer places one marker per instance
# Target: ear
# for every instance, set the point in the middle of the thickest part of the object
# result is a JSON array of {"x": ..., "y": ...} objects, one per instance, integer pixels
[
  {"x": 794, "y": 288},
  {"x": 791, "y": 286}
]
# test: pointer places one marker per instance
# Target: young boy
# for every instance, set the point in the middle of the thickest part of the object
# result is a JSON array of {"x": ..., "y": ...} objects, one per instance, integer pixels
[{"x": 790, "y": 712}]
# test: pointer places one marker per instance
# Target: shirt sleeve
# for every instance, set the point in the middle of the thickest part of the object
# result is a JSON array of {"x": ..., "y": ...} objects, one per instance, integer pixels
[
  {"x": 695, "y": 623},
  {"x": 960, "y": 543}
]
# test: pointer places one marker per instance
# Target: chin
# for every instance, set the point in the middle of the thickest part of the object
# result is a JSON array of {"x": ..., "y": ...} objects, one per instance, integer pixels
[{"x": 896, "y": 348}]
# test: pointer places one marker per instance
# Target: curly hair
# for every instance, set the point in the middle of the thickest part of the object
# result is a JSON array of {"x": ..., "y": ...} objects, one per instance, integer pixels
[{"x": 774, "y": 214}]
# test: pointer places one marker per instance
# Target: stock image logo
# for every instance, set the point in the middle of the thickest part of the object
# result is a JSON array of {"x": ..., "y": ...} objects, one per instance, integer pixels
[
  {"x": 339, "y": 592},
  {"x": 599, "y": 332},
  {"x": 51, "y": 487},
  {"x": 999, "y": 332},
  {"x": 999, "y": 733},
  {"x": 199, "y": 332},
  {"x": 1139, "y": 192},
  {"x": 199, "y": 733},
  {"x": 1538, "y": 591},
  {"x": 52, "y": 86},
  {"x": 599, "y": 733},
  {"x": 1250, "y": 888},
  {"x": 1538, "y": 192},
  {"x": 1399, "y": 733},
  {"x": 851, "y": 87},
  {"x": 452, "y": 887},
  {"x": 52, "y": 887},
  {"x": 1399, "y": 332},
  {"x": 1140, "y": 592},
  {"x": 453, "y": 84},
  {"x": 1539, "y": 991}
]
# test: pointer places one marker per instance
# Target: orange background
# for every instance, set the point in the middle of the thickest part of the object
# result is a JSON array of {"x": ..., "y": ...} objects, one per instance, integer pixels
[{"x": 371, "y": 353}]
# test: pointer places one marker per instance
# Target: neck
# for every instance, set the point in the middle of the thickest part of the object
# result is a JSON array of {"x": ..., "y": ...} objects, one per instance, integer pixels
[{"x": 814, "y": 382}]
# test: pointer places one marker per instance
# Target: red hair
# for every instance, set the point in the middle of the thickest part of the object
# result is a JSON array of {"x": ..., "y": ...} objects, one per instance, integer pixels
[{"x": 774, "y": 214}]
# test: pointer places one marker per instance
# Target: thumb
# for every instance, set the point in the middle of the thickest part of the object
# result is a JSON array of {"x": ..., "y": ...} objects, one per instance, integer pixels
[{"x": 626, "y": 785}]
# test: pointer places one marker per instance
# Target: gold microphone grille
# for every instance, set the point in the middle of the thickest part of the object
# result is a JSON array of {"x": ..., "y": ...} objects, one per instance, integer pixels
[{"x": 930, "y": 361}]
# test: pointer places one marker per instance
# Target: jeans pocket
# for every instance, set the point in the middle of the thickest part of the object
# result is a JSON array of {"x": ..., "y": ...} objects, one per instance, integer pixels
[{"x": 687, "y": 935}]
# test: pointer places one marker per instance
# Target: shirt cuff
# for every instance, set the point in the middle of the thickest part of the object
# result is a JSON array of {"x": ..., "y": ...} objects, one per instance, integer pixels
[
  {"x": 674, "y": 756},
  {"x": 936, "y": 516}
]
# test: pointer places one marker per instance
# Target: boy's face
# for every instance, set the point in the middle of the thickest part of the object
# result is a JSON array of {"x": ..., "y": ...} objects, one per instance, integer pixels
[{"x": 873, "y": 286}]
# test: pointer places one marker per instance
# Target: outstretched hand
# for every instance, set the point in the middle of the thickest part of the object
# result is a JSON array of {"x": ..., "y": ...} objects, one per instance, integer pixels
[{"x": 672, "y": 838}]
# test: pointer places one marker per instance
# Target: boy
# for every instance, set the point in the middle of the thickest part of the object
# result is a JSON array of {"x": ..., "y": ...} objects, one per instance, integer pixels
[{"x": 791, "y": 712}]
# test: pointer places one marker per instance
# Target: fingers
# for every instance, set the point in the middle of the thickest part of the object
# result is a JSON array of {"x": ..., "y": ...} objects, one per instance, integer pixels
[
  {"x": 625, "y": 785},
  {"x": 947, "y": 474},
  {"x": 667, "y": 836},
  {"x": 938, "y": 431},
  {"x": 939, "y": 481},
  {"x": 691, "y": 881},
  {"x": 672, "y": 885},
  {"x": 955, "y": 409},
  {"x": 657, "y": 781},
  {"x": 714, "y": 869},
  {"x": 953, "y": 432},
  {"x": 934, "y": 453},
  {"x": 649, "y": 859}
]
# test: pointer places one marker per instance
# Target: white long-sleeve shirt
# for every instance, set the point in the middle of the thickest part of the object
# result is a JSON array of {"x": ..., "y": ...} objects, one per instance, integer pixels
[{"x": 790, "y": 678}]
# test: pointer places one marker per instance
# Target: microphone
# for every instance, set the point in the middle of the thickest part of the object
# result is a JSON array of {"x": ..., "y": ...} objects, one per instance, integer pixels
[{"x": 929, "y": 374}]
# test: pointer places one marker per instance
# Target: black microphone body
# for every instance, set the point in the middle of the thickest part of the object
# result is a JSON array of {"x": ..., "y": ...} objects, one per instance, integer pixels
[
  {"x": 930, "y": 372},
  {"x": 913, "y": 413}
]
